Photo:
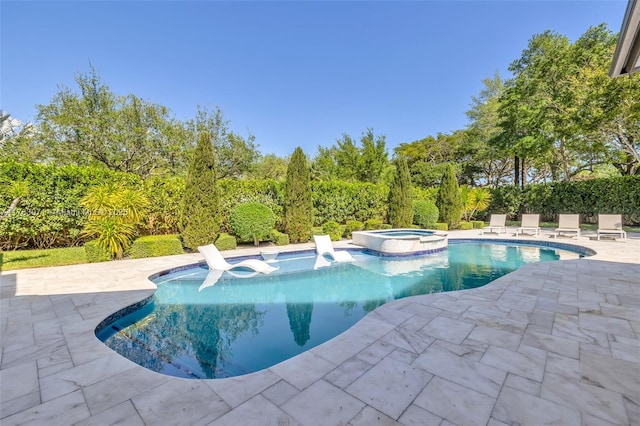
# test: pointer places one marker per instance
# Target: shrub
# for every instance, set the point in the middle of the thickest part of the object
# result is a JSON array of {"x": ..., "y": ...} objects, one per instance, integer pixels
[
  {"x": 200, "y": 223},
  {"x": 425, "y": 213},
  {"x": 95, "y": 252},
  {"x": 370, "y": 224},
  {"x": 279, "y": 238},
  {"x": 155, "y": 245},
  {"x": 332, "y": 229},
  {"x": 400, "y": 196},
  {"x": 252, "y": 222},
  {"x": 449, "y": 201},
  {"x": 114, "y": 211},
  {"x": 226, "y": 242},
  {"x": 466, "y": 225},
  {"x": 342, "y": 201},
  {"x": 478, "y": 224},
  {"x": 386, "y": 226},
  {"x": 352, "y": 225},
  {"x": 298, "y": 205},
  {"x": 440, "y": 226}
]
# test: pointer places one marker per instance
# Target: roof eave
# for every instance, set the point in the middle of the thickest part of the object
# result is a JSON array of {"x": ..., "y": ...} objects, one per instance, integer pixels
[{"x": 626, "y": 59}]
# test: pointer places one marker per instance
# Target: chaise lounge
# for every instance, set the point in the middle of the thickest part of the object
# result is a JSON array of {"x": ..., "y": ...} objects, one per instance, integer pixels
[
  {"x": 568, "y": 224},
  {"x": 324, "y": 248},
  {"x": 531, "y": 223},
  {"x": 216, "y": 261},
  {"x": 610, "y": 224},
  {"x": 497, "y": 223}
]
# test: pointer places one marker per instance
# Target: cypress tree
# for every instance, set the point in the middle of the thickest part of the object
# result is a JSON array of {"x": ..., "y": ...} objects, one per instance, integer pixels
[
  {"x": 200, "y": 221},
  {"x": 401, "y": 196},
  {"x": 298, "y": 205},
  {"x": 449, "y": 200}
]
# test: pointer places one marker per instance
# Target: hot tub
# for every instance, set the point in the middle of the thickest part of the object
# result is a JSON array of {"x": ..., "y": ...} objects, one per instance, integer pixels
[{"x": 402, "y": 241}]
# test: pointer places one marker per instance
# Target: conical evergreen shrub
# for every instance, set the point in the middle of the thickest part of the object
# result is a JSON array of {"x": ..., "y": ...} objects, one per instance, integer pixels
[
  {"x": 200, "y": 220},
  {"x": 401, "y": 196},
  {"x": 449, "y": 200},
  {"x": 298, "y": 205}
]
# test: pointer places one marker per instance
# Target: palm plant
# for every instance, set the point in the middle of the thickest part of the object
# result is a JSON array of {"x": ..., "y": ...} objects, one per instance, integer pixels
[
  {"x": 474, "y": 200},
  {"x": 113, "y": 213}
]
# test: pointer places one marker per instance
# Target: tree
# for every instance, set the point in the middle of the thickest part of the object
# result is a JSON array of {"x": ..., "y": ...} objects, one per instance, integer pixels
[
  {"x": 96, "y": 126},
  {"x": 373, "y": 157},
  {"x": 449, "y": 202},
  {"x": 200, "y": 219},
  {"x": 347, "y": 157},
  {"x": 253, "y": 221},
  {"x": 401, "y": 196},
  {"x": 298, "y": 205},
  {"x": 270, "y": 166}
]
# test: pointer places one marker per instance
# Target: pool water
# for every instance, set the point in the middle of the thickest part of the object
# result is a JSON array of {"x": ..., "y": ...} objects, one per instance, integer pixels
[{"x": 241, "y": 325}]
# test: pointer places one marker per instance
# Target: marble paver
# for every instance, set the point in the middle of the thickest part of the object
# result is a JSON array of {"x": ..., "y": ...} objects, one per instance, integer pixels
[{"x": 551, "y": 343}]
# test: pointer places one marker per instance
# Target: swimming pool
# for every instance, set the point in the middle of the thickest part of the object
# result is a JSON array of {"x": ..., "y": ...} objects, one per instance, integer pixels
[{"x": 239, "y": 326}]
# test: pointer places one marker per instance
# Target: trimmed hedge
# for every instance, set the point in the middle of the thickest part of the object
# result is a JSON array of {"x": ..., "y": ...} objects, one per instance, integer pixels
[
  {"x": 465, "y": 226},
  {"x": 155, "y": 245},
  {"x": 587, "y": 198},
  {"x": 372, "y": 224},
  {"x": 332, "y": 229},
  {"x": 226, "y": 242},
  {"x": 96, "y": 253},
  {"x": 351, "y": 226},
  {"x": 441, "y": 226},
  {"x": 279, "y": 238},
  {"x": 478, "y": 224}
]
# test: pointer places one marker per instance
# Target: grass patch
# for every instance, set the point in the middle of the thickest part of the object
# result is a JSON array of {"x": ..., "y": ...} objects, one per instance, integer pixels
[{"x": 21, "y": 259}]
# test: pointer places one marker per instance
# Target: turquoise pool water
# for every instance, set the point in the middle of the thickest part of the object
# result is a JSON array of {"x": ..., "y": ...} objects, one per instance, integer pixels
[{"x": 191, "y": 328}]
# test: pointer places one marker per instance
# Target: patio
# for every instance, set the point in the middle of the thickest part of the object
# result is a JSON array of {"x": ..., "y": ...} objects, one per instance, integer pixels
[{"x": 551, "y": 343}]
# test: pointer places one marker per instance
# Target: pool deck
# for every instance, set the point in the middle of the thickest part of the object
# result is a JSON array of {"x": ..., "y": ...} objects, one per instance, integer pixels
[{"x": 554, "y": 343}]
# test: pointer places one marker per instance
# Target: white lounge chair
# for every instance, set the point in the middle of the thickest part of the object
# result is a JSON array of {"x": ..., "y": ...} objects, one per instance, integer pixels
[
  {"x": 497, "y": 223},
  {"x": 216, "y": 261},
  {"x": 567, "y": 224},
  {"x": 611, "y": 224},
  {"x": 324, "y": 248},
  {"x": 531, "y": 223}
]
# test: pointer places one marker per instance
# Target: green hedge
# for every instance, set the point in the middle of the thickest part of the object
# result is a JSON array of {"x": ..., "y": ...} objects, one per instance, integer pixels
[
  {"x": 441, "y": 226},
  {"x": 465, "y": 226},
  {"x": 95, "y": 253},
  {"x": 333, "y": 229},
  {"x": 587, "y": 198},
  {"x": 279, "y": 238},
  {"x": 342, "y": 201},
  {"x": 155, "y": 245},
  {"x": 478, "y": 224},
  {"x": 226, "y": 242}
]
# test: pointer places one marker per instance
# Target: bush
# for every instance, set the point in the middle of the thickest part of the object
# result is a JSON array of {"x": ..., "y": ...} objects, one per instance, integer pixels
[
  {"x": 425, "y": 213},
  {"x": 155, "y": 245},
  {"x": 440, "y": 226},
  {"x": 466, "y": 226},
  {"x": 252, "y": 222},
  {"x": 370, "y": 224},
  {"x": 279, "y": 238},
  {"x": 386, "y": 226},
  {"x": 478, "y": 224},
  {"x": 226, "y": 242},
  {"x": 95, "y": 252},
  {"x": 353, "y": 225},
  {"x": 332, "y": 229}
]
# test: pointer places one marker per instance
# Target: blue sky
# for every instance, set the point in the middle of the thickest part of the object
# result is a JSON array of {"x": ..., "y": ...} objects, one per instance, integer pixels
[{"x": 291, "y": 73}]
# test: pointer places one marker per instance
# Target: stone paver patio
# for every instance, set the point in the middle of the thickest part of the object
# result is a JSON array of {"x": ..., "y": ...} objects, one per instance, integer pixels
[{"x": 554, "y": 343}]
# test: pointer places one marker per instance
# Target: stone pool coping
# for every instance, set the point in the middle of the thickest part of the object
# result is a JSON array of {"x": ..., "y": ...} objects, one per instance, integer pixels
[{"x": 550, "y": 342}]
